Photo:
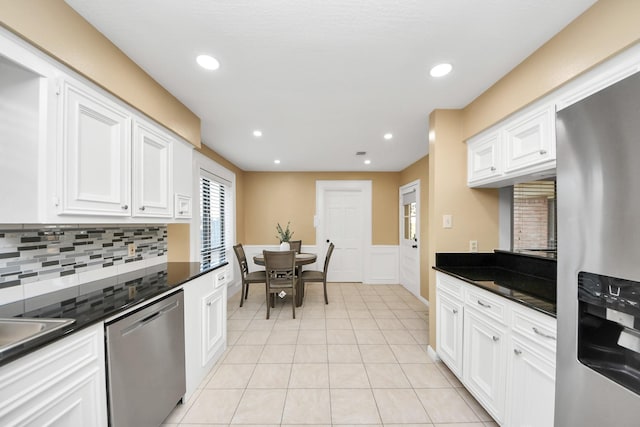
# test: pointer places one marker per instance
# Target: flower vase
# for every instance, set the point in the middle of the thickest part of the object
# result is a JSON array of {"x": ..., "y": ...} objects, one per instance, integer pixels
[{"x": 284, "y": 246}]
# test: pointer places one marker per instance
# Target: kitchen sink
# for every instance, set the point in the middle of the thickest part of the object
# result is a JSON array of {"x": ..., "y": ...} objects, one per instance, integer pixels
[{"x": 16, "y": 331}]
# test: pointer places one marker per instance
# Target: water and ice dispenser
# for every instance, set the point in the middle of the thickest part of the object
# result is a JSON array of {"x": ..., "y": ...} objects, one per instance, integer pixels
[{"x": 609, "y": 327}]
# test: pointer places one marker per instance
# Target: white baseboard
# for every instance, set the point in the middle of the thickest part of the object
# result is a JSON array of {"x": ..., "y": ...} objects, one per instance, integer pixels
[{"x": 432, "y": 354}]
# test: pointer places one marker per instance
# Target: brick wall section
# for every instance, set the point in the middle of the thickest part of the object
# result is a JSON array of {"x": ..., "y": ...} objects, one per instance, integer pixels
[{"x": 530, "y": 223}]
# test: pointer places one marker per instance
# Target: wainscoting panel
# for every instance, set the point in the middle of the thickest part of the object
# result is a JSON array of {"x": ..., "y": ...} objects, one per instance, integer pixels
[{"x": 381, "y": 265}]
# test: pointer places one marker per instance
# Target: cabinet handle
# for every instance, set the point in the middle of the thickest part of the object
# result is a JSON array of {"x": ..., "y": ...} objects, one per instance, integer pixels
[
  {"x": 493, "y": 168},
  {"x": 141, "y": 208},
  {"x": 542, "y": 334},
  {"x": 180, "y": 212},
  {"x": 125, "y": 207},
  {"x": 482, "y": 304},
  {"x": 209, "y": 303},
  {"x": 495, "y": 338},
  {"x": 517, "y": 352},
  {"x": 455, "y": 311},
  {"x": 543, "y": 152}
]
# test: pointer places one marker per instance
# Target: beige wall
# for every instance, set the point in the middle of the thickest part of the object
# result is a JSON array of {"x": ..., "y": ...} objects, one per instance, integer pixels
[
  {"x": 605, "y": 29},
  {"x": 420, "y": 170},
  {"x": 272, "y": 197},
  {"x": 474, "y": 212},
  {"x": 55, "y": 28}
]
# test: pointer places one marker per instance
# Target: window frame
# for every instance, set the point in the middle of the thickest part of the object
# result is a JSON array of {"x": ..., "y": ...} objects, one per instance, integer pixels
[{"x": 226, "y": 177}]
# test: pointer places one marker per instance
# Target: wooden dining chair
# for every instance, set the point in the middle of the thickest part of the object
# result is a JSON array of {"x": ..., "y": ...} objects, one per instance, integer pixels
[
  {"x": 295, "y": 245},
  {"x": 247, "y": 277},
  {"x": 281, "y": 275},
  {"x": 319, "y": 276}
]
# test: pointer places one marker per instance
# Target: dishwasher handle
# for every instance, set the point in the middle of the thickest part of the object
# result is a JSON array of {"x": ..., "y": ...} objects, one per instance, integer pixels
[{"x": 150, "y": 318}]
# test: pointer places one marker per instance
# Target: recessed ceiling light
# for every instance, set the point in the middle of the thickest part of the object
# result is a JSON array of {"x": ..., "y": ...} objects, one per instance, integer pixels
[
  {"x": 208, "y": 62},
  {"x": 388, "y": 136},
  {"x": 277, "y": 162},
  {"x": 441, "y": 70},
  {"x": 257, "y": 133},
  {"x": 367, "y": 162}
]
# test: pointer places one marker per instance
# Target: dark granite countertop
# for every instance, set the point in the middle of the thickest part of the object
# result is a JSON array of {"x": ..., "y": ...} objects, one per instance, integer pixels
[
  {"x": 96, "y": 301},
  {"x": 527, "y": 280}
]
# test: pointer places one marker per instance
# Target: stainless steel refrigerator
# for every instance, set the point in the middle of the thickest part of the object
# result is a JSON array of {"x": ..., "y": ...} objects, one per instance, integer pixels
[{"x": 598, "y": 149}]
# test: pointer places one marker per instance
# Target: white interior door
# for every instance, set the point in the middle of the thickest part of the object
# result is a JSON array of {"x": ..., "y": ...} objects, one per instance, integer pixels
[
  {"x": 344, "y": 209},
  {"x": 409, "y": 232}
]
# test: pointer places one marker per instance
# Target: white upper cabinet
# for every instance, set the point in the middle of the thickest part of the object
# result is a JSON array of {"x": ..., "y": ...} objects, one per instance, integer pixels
[
  {"x": 96, "y": 154},
  {"x": 530, "y": 141},
  {"x": 182, "y": 179},
  {"x": 28, "y": 106},
  {"x": 152, "y": 172},
  {"x": 484, "y": 158},
  {"x": 517, "y": 150},
  {"x": 73, "y": 153}
]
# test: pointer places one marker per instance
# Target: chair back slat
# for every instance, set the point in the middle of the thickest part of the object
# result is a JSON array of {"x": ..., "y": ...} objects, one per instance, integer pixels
[
  {"x": 295, "y": 245},
  {"x": 280, "y": 266},
  {"x": 327, "y": 258},
  {"x": 242, "y": 260}
]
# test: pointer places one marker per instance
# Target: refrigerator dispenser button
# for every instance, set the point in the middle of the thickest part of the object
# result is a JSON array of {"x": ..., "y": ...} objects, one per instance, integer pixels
[
  {"x": 629, "y": 339},
  {"x": 622, "y": 318}
]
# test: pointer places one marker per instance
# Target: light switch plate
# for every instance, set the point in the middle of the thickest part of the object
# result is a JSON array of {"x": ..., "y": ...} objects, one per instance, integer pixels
[{"x": 447, "y": 221}]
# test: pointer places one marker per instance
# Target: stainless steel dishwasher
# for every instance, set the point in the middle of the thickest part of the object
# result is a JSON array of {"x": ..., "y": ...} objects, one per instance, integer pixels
[{"x": 145, "y": 363}]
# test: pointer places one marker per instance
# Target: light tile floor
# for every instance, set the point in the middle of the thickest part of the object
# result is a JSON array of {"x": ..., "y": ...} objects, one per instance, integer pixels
[{"x": 360, "y": 360}]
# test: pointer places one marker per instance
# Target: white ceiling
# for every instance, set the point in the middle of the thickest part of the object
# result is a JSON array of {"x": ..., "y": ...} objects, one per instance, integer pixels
[{"x": 323, "y": 79}]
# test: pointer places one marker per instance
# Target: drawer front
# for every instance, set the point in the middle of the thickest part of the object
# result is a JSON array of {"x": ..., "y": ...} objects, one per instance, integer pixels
[
  {"x": 488, "y": 304},
  {"x": 450, "y": 285},
  {"x": 221, "y": 277},
  {"x": 536, "y": 326}
]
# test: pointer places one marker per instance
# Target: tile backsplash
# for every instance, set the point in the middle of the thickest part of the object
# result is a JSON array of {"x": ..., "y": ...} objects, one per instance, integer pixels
[{"x": 31, "y": 255}]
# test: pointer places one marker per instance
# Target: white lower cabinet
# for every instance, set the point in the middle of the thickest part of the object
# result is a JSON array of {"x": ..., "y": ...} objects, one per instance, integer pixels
[
  {"x": 214, "y": 315},
  {"x": 449, "y": 343},
  {"x": 531, "y": 386},
  {"x": 503, "y": 352},
  {"x": 484, "y": 372},
  {"x": 205, "y": 321},
  {"x": 61, "y": 385}
]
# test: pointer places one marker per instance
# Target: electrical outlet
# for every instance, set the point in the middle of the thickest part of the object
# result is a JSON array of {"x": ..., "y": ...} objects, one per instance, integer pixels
[
  {"x": 132, "y": 249},
  {"x": 473, "y": 246},
  {"x": 447, "y": 221}
]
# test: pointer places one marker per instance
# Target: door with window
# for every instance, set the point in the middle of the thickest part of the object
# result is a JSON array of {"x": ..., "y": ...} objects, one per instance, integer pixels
[{"x": 409, "y": 232}]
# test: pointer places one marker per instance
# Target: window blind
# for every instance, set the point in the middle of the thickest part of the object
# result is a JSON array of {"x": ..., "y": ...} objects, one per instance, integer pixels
[
  {"x": 534, "y": 216},
  {"x": 212, "y": 221}
]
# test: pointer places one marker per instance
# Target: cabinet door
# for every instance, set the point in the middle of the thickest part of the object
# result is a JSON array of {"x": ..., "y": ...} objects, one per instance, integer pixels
[
  {"x": 96, "y": 155},
  {"x": 484, "y": 367},
  {"x": 214, "y": 332},
  {"x": 530, "y": 141},
  {"x": 152, "y": 166},
  {"x": 531, "y": 387},
  {"x": 61, "y": 384},
  {"x": 449, "y": 334},
  {"x": 182, "y": 179},
  {"x": 484, "y": 157}
]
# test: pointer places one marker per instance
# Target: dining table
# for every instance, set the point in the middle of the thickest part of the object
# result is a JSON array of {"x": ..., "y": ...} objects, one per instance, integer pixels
[{"x": 301, "y": 259}]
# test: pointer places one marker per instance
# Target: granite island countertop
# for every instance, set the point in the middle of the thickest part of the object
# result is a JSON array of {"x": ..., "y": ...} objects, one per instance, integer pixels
[
  {"x": 99, "y": 300},
  {"x": 527, "y": 280}
]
